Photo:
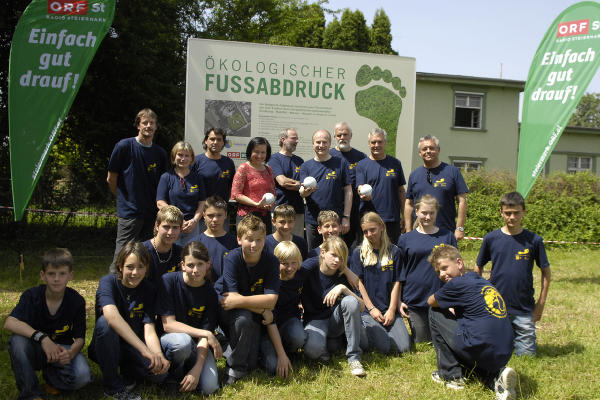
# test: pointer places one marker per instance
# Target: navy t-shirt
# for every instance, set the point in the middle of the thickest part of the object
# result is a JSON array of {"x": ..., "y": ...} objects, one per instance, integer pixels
[
  {"x": 139, "y": 168},
  {"x": 289, "y": 298},
  {"x": 379, "y": 279},
  {"x": 193, "y": 306},
  {"x": 446, "y": 183},
  {"x": 261, "y": 278},
  {"x": 352, "y": 156},
  {"x": 288, "y": 166},
  {"x": 66, "y": 325},
  {"x": 185, "y": 195},
  {"x": 157, "y": 268},
  {"x": 271, "y": 243},
  {"x": 217, "y": 175},
  {"x": 512, "y": 259},
  {"x": 417, "y": 275},
  {"x": 136, "y": 305},
  {"x": 484, "y": 331},
  {"x": 385, "y": 176},
  {"x": 316, "y": 286},
  {"x": 218, "y": 248},
  {"x": 332, "y": 176}
]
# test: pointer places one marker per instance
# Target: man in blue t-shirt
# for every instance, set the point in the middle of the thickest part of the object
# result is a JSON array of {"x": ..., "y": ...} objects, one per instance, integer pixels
[
  {"x": 343, "y": 136},
  {"x": 286, "y": 168},
  {"x": 333, "y": 190},
  {"x": 469, "y": 327},
  {"x": 134, "y": 170},
  {"x": 442, "y": 181},
  {"x": 48, "y": 331},
  {"x": 217, "y": 170},
  {"x": 385, "y": 175},
  {"x": 512, "y": 251}
]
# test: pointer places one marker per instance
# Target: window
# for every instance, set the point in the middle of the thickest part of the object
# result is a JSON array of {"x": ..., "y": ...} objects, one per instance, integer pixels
[
  {"x": 468, "y": 165},
  {"x": 578, "y": 164},
  {"x": 468, "y": 108}
]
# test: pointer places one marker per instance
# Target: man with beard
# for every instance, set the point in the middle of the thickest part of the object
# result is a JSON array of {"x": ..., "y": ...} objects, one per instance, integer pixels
[{"x": 286, "y": 167}]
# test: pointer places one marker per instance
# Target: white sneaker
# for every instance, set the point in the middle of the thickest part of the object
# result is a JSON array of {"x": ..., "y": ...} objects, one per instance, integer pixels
[
  {"x": 505, "y": 385},
  {"x": 454, "y": 384},
  {"x": 356, "y": 368}
]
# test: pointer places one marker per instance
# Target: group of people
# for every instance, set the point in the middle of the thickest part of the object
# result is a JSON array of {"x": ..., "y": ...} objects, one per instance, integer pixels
[{"x": 190, "y": 292}]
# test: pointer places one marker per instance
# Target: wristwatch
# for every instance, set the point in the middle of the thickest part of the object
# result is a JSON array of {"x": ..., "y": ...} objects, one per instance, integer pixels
[
  {"x": 38, "y": 336},
  {"x": 460, "y": 228}
]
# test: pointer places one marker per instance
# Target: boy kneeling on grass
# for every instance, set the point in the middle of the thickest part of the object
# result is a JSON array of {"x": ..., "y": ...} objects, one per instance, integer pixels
[
  {"x": 48, "y": 326},
  {"x": 124, "y": 334},
  {"x": 470, "y": 328}
]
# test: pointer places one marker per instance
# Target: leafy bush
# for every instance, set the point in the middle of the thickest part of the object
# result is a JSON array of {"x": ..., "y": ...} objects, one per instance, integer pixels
[{"x": 559, "y": 207}]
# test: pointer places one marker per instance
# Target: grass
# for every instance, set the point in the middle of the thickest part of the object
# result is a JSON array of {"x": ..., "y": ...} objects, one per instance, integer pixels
[{"x": 567, "y": 366}]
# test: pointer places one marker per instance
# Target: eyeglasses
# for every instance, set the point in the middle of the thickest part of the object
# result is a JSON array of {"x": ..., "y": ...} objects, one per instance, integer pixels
[
  {"x": 183, "y": 188},
  {"x": 428, "y": 176}
]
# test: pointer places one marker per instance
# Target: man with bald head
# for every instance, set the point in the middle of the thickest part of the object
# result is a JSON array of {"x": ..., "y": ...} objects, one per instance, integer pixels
[
  {"x": 343, "y": 137},
  {"x": 333, "y": 190}
]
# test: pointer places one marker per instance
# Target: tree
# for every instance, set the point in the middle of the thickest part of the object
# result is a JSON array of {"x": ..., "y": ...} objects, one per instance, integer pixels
[
  {"x": 587, "y": 113},
  {"x": 302, "y": 25},
  {"x": 331, "y": 35},
  {"x": 354, "y": 33},
  {"x": 380, "y": 34}
]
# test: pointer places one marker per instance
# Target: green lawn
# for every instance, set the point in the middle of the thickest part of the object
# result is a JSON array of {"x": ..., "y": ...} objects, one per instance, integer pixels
[{"x": 567, "y": 366}]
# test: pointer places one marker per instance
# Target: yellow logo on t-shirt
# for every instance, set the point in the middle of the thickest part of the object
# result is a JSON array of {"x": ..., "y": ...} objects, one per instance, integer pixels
[
  {"x": 522, "y": 255},
  {"x": 389, "y": 265},
  {"x": 353, "y": 165},
  {"x": 440, "y": 183},
  {"x": 151, "y": 167},
  {"x": 196, "y": 312},
  {"x": 173, "y": 268},
  {"x": 225, "y": 174},
  {"x": 494, "y": 302},
  {"x": 298, "y": 169},
  {"x": 193, "y": 188},
  {"x": 257, "y": 286},
  {"x": 390, "y": 172},
  {"x": 137, "y": 311},
  {"x": 331, "y": 175},
  {"x": 60, "y": 332}
]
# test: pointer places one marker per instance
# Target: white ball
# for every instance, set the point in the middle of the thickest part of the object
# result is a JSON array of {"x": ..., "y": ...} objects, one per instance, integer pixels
[
  {"x": 309, "y": 182},
  {"x": 269, "y": 198},
  {"x": 366, "y": 190}
]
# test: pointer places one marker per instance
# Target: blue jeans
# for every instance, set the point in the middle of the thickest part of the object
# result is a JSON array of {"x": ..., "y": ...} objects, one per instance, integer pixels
[
  {"x": 27, "y": 356},
  {"x": 345, "y": 319},
  {"x": 386, "y": 338},
  {"x": 180, "y": 349},
  {"x": 138, "y": 229},
  {"x": 243, "y": 332},
  {"x": 293, "y": 338},
  {"x": 524, "y": 329},
  {"x": 111, "y": 352}
]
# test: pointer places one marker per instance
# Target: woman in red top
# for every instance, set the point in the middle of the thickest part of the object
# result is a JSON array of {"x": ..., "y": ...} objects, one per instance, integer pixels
[{"x": 252, "y": 180}]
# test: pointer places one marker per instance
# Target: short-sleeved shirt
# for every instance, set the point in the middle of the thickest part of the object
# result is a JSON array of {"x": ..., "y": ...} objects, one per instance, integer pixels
[
  {"x": 378, "y": 279},
  {"x": 183, "y": 193},
  {"x": 66, "y": 325},
  {"x": 288, "y": 166},
  {"x": 418, "y": 277},
  {"x": 484, "y": 330},
  {"x": 218, "y": 248},
  {"x": 512, "y": 259},
  {"x": 271, "y": 243},
  {"x": 446, "y": 183},
  {"x": 139, "y": 168},
  {"x": 217, "y": 175},
  {"x": 352, "y": 156},
  {"x": 385, "y": 177},
  {"x": 331, "y": 176},
  {"x": 170, "y": 263},
  {"x": 135, "y": 305},
  {"x": 193, "y": 306},
  {"x": 316, "y": 286},
  {"x": 238, "y": 276},
  {"x": 253, "y": 184},
  {"x": 289, "y": 298}
]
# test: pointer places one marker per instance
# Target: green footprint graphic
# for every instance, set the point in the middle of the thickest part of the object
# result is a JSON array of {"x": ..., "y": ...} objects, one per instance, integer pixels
[{"x": 380, "y": 104}]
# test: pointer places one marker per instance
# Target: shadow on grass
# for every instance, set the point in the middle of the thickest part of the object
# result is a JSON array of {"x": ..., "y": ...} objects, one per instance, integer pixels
[
  {"x": 551, "y": 350},
  {"x": 527, "y": 387},
  {"x": 581, "y": 280}
]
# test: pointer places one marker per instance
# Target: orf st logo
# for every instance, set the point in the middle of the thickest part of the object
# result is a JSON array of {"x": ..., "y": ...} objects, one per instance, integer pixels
[
  {"x": 572, "y": 28},
  {"x": 68, "y": 7}
]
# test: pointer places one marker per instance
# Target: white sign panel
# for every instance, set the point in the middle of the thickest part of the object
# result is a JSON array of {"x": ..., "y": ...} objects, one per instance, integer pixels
[{"x": 253, "y": 90}]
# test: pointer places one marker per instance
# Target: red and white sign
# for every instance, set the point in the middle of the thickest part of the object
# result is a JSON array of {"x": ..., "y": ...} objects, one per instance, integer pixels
[
  {"x": 572, "y": 28},
  {"x": 68, "y": 7}
]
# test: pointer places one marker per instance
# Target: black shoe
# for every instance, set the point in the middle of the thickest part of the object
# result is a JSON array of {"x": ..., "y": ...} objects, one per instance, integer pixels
[{"x": 230, "y": 380}]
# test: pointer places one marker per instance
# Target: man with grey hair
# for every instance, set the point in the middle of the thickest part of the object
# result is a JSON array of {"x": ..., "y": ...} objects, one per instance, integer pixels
[
  {"x": 442, "y": 181},
  {"x": 385, "y": 175},
  {"x": 333, "y": 190},
  {"x": 286, "y": 167},
  {"x": 343, "y": 136}
]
